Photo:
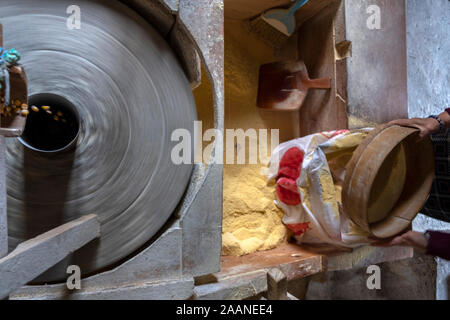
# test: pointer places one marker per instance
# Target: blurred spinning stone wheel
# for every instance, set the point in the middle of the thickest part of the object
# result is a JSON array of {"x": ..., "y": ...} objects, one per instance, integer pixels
[{"x": 130, "y": 94}]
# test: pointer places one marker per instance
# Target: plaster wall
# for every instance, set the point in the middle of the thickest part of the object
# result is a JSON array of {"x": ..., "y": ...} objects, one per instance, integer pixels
[{"x": 428, "y": 43}]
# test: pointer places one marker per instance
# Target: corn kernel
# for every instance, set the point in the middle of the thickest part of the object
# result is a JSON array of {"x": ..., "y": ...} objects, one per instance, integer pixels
[
  {"x": 45, "y": 108},
  {"x": 35, "y": 109},
  {"x": 25, "y": 113}
]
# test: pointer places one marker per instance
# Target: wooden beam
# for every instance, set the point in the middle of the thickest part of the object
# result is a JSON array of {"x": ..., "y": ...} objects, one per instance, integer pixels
[
  {"x": 276, "y": 285},
  {"x": 3, "y": 209},
  {"x": 35, "y": 256}
]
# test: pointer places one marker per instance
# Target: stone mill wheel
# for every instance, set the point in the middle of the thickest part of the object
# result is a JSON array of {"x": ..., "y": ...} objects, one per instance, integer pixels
[{"x": 126, "y": 93}]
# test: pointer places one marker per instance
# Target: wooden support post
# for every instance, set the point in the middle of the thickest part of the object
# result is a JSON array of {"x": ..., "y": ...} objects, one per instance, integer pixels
[
  {"x": 35, "y": 256},
  {"x": 276, "y": 285},
  {"x": 3, "y": 210}
]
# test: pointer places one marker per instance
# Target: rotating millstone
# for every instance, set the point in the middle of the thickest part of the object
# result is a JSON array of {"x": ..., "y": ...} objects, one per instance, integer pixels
[{"x": 129, "y": 93}]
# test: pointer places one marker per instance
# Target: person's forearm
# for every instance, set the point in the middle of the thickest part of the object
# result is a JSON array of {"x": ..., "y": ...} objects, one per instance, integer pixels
[
  {"x": 439, "y": 244},
  {"x": 445, "y": 117}
]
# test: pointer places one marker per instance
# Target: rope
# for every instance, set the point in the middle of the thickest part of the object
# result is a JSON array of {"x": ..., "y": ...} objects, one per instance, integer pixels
[{"x": 11, "y": 57}]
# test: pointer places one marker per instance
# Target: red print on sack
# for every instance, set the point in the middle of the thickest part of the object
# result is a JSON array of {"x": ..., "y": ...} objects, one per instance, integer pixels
[
  {"x": 299, "y": 228},
  {"x": 290, "y": 169},
  {"x": 291, "y": 163},
  {"x": 287, "y": 192}
]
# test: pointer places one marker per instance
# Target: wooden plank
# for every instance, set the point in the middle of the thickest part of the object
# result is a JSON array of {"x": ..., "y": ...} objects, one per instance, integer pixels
[
  {"x": 366, "y": 256},
  {"x": 291, "y": 259},
  {"x": 3, "y": 208},
  {"x": 35, "y": 256},
  {"x": 239, "y": 287},
  {"x": 178, "y": 289}
]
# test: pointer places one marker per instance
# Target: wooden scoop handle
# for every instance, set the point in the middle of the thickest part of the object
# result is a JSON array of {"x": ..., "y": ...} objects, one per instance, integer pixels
[
  {"x": 303, "y": 78},
  {"x": 324, "y": 83}
]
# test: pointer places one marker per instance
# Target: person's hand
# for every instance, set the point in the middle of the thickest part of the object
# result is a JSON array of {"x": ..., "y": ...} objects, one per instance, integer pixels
[
  {"x": 412, "y": 239},
  {"x": 426, "y": 126}
]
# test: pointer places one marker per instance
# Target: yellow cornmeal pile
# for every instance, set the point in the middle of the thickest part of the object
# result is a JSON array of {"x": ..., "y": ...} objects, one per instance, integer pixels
[{"x": 251, "y": 220}]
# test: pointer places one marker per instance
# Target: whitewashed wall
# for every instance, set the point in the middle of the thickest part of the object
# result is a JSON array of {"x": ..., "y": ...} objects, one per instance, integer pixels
[{"x": 428, "y": 32}]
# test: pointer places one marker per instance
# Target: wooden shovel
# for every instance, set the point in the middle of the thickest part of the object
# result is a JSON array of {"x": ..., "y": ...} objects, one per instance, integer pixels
[
  {"x": 14, "y": 125},
  {"x": 283, "y": 86}
]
